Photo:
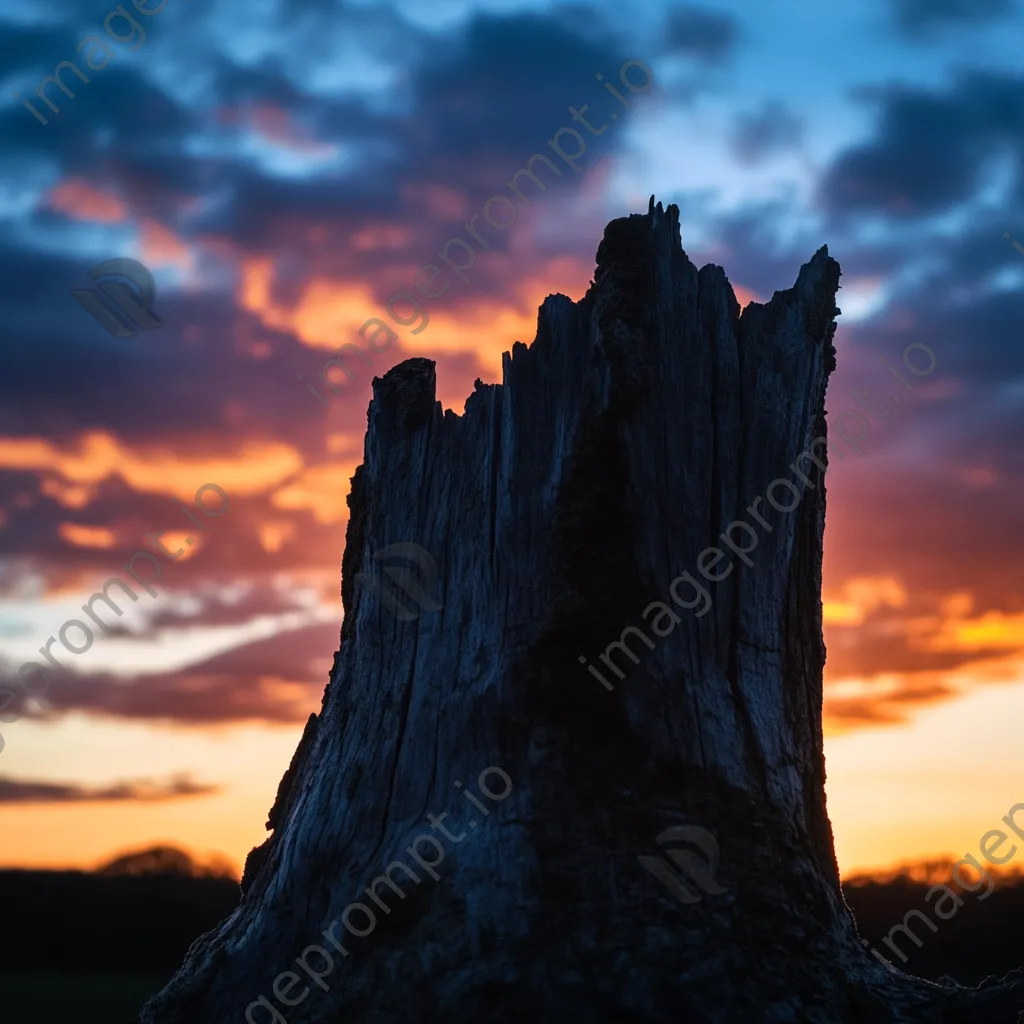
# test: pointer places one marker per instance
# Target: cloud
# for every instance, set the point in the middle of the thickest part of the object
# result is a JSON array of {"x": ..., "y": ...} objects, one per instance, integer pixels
[
  {"x": 771, "y": 129},
  {"x": 919, "y": 18},
  {"x": 279, "y": 679},
  {"x": 933, "y": 148},
  {"x": 703, "y": 33},
  {"x": 889, "y": 708},
  {"x": 217, "y": 605},
  {"x": 23, "y": 791},
  {"x": 98, "y": 456},
  {"x": 882, "y": 648}
]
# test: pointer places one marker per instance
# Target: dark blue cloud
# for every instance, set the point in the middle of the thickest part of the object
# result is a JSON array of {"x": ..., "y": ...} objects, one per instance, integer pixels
[
  {"x": 702, "y": 33},
  {"x": 24, "y": 47},
  {"x": 772, "y": 128},
  {"x": 932, "y": 148},
  {"x": 936, "y": 151},
  {"x": 919, "y": 18}
]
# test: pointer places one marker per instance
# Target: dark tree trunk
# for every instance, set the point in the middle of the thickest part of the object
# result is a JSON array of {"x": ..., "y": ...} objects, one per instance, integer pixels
[{"x": 640, "y": 424}]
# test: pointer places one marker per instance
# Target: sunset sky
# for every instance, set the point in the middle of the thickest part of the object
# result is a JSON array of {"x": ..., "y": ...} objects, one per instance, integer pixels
[{"x": 283, "y": 168}]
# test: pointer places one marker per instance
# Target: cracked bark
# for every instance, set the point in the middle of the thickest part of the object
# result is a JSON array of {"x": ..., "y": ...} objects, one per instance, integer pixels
[{"x": 641, "y": 422}]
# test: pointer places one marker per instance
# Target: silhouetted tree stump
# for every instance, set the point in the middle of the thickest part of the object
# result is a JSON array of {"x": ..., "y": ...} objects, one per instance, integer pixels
[{"x": 642, "y": 422}]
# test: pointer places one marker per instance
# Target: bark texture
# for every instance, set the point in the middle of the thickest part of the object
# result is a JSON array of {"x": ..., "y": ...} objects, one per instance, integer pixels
[{"x": 641, "y": 422}]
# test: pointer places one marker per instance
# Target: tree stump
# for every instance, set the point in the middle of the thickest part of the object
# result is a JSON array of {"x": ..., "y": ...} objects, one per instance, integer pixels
[{"x": 584, "y": 642}]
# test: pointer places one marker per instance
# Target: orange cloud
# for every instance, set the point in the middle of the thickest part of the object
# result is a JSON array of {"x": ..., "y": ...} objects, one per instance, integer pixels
[
  {"x": 321, "y": 490},
  {"x": 994, "y": 629},
  {"x": 161, "y": 246},
  {"x": 341, "y": 444},
  {"x": 87, "y": 536},
  {"x": 274, "y": 534},
  {"x": 256, "y": 279},
  {"x": 179, "y": 540},
  {"x": 489, "y": 327},
  {"x": 859, "y": 597},
  {"x": 328, "y": 314},
  {"x": 286, "y": 691},
  {"x": 958, "y": 605},
  {"x": 887, "y": 704},
  {"x": 67, "y": 495},
  {"x": 97, "y": 456},
  {"x": 78, "y": 199}
]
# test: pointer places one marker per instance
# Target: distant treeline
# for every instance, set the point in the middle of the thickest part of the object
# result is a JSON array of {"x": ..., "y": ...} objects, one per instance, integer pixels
[
  {"x": 981, "y": 939},
  {"x": 141, "y": 914},
  {"x": 81, "y": 921}
]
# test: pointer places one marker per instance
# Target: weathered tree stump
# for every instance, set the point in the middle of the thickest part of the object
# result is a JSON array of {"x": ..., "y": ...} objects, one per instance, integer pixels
[{"x": 640, "y": 425}]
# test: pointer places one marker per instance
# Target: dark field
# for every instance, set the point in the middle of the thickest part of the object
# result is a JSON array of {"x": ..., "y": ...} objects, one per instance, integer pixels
[
  {"x": 90, "y": 949},
  {"x": 80, "y": 948},
  {"x": 75, "y": 997}
]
